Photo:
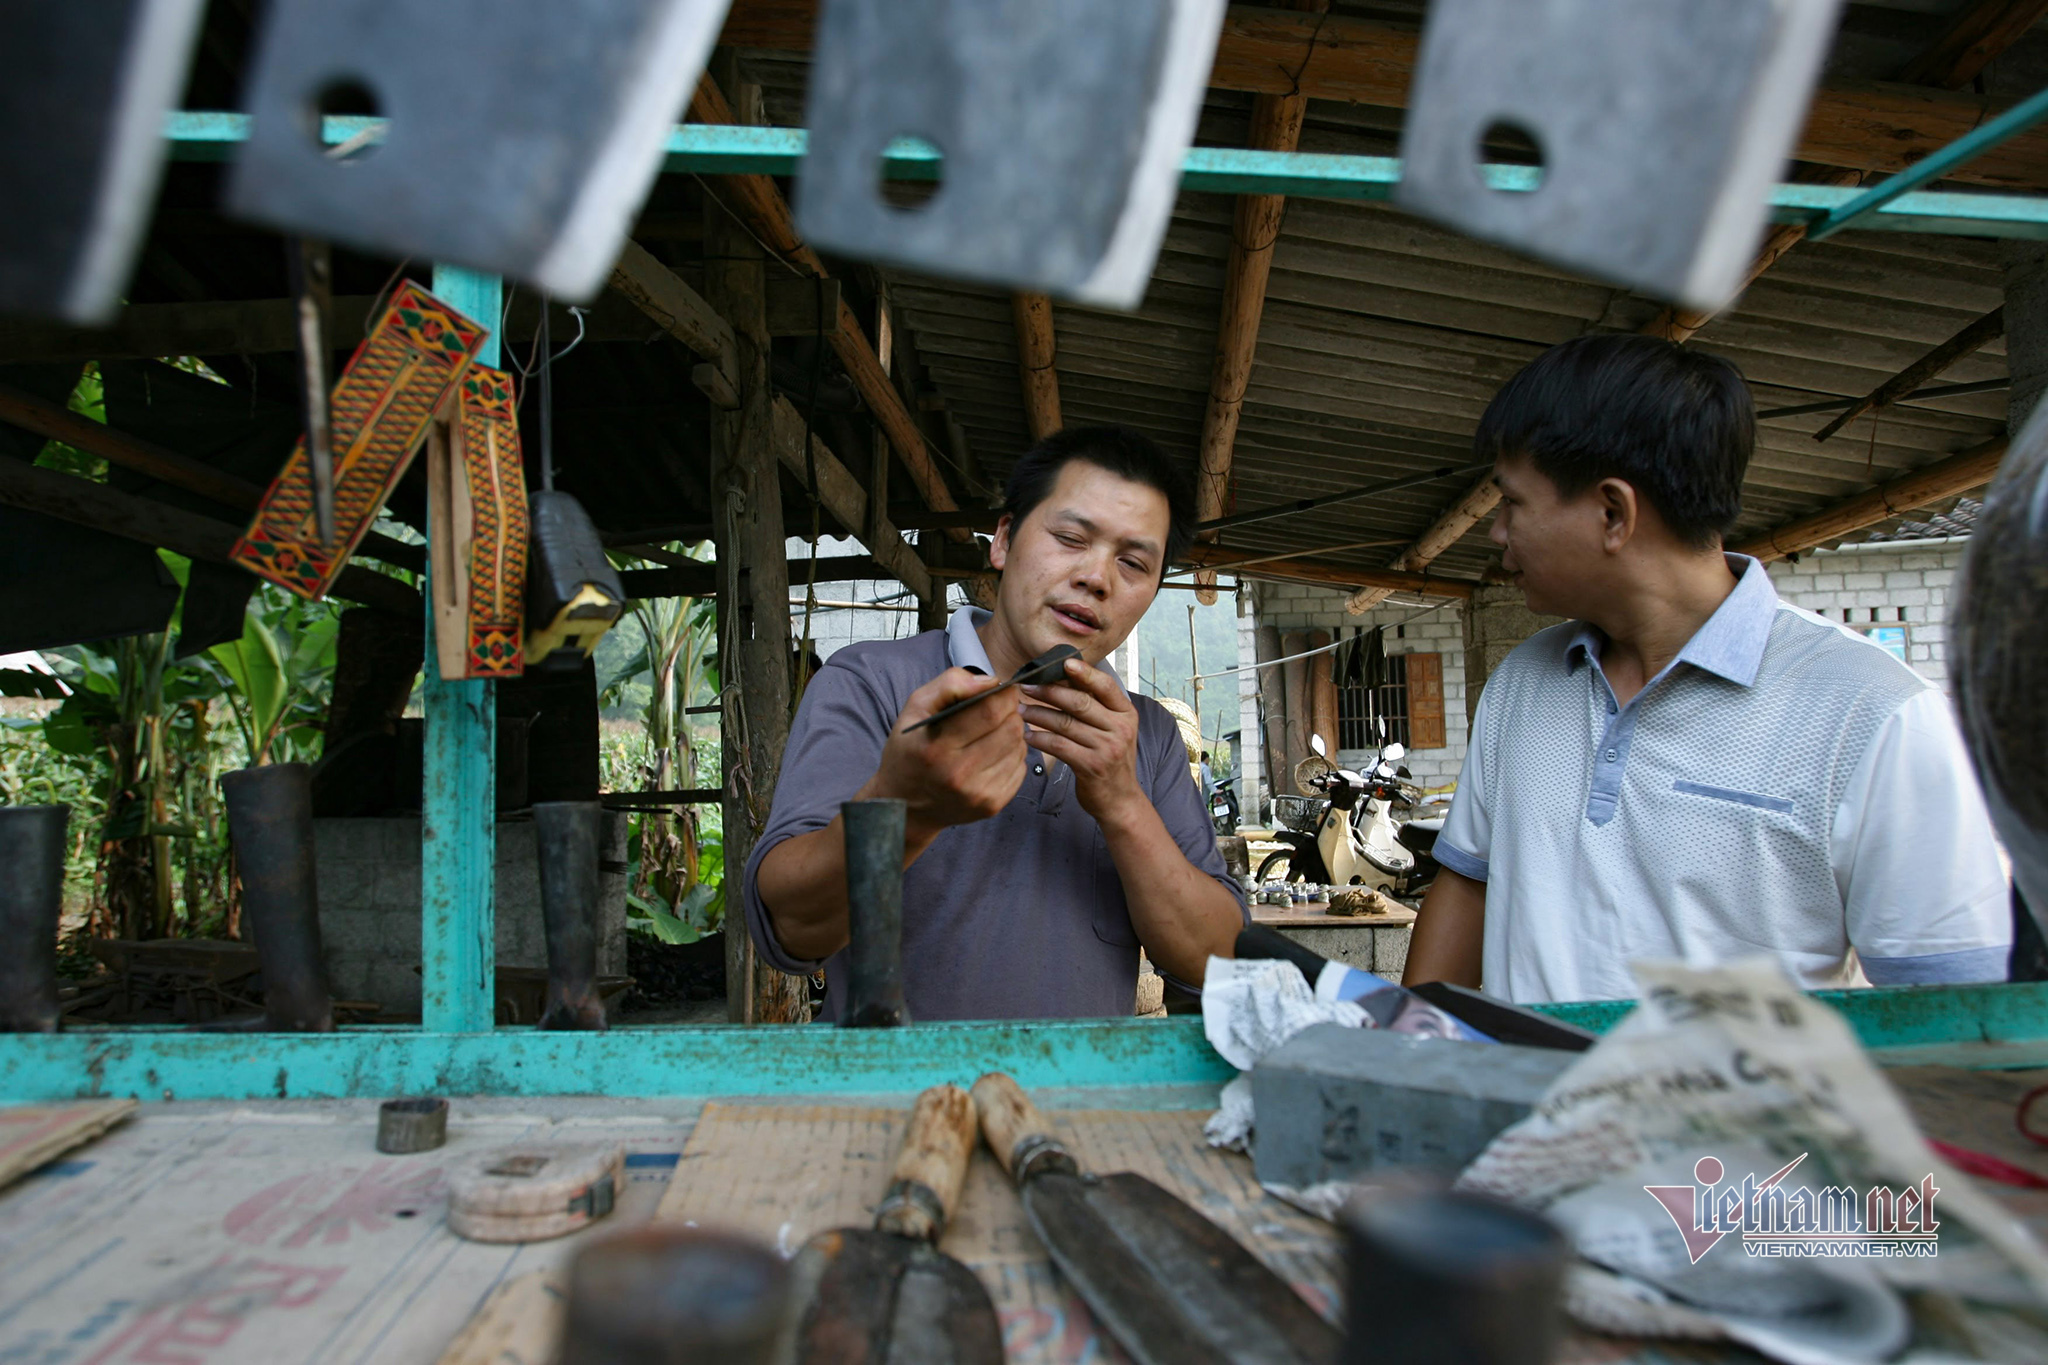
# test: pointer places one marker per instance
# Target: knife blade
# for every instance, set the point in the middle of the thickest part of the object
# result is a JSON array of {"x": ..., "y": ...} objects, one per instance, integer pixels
[
  {"x": 1168, "y": 1284},
  {"x": 1047, "y": 667}
]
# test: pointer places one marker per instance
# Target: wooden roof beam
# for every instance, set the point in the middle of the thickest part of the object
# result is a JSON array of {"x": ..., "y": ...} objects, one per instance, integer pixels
[
  {"x": 759, "y": 204},
  {"x": 85, "y": 503},
  {"x": 1036, "y": 351},
  {"x": 1973, "y": 38},
  {"x": 1473, "y": 507},
  {"x": 1859, "y": 125},
  {"x": 1327, "y": 574},
  {"x": 1948, "y": 478}
]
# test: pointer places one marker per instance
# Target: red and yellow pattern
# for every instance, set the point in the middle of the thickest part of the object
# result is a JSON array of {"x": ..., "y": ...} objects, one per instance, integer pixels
[
  {"x": 388, "y": 393},
  {"x": 495, "y": 478}
]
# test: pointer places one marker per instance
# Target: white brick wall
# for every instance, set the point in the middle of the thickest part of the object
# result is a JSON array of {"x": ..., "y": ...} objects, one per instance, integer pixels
[
  {"x": 1905, "y": 584},
  {"x": 1412, "y": 629}
]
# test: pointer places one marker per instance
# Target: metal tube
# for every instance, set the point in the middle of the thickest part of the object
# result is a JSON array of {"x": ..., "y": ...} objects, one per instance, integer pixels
[
  {"x": 270, "y": 817},
  {"x": 675, "y": 1296},
  {"x": 1935, "y": 165},
  {"x": 31, "y": 896},
  {"x": 565, "y": 835},
  {"x": 874, "y": 911}
]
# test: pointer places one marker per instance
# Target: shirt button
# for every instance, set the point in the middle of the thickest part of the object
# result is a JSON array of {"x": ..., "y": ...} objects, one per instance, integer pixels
[
  {"x": 1039, "y": 769},
  {"x": 1612, "y": 754}
]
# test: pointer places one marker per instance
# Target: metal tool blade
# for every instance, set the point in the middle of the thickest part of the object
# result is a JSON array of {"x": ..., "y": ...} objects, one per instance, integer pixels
[
  {"x": 83, "y": 94},
  {"x": 308, "y": 269},
  {"x": 879, "y": 1299},
  {"x": 1060, "y": 123},
  {"x": 521, "y": 138},
  {"x": 1171, "y": 1286},
  {"x": 1047, "y": 667}
]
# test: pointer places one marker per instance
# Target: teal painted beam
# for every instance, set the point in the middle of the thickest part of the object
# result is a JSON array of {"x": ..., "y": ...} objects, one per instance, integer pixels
[
  {"x": 161, "y": 1064},
  {"x": 1953, "y": 1024},
  {"x": 1936, "y": 165},
  {"x": 458, "y": 816},
  {"x": 706, "y": 149}
]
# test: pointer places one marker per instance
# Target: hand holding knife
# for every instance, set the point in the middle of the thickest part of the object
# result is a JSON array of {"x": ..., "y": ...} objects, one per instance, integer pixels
[{"x": 1047, "y": 667}]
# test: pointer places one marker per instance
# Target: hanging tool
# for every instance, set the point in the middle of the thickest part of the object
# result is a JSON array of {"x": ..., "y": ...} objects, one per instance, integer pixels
[
  {"x": 84, "y": 92},
  {"x": 573, "y": 594},
  {"x": 521, "y": 138},
  {"x": 1060, "y": 126},
  {"x": 308, "y": 268},
  {"x": 874, "y": 913},
  {"x": 1661, "y": 126},
  {"x": 887, "y": 1294},
  {"x": 1171, "y": 1286},
  {"x": 1048, "y": 667}
]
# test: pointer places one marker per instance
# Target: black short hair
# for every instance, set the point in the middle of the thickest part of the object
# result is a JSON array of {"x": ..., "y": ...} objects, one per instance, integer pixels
[
  {"x": 1676, "y": 423},
  {"x": 1125, "y": 453}
]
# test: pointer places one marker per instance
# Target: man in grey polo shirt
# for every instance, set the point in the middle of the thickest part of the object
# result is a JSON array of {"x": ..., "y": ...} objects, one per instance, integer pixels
[
  {"x": 1691, "y": 768},
  {"x": 1049, "y": 836}
]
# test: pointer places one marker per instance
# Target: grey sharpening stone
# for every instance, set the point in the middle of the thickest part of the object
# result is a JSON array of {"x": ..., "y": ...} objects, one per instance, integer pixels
[{"x": 1333, "y": 1103}]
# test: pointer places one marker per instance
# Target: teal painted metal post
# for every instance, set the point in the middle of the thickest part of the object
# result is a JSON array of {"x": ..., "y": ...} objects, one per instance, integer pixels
[{"x": 458, "y": 818}]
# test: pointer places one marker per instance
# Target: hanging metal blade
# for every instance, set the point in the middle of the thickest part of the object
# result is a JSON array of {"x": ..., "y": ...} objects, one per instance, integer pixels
[
  {"x": 1168, "y": 1284},
  {"x": 309, "y": 268},
  {"x": 880, "y": 1299}
]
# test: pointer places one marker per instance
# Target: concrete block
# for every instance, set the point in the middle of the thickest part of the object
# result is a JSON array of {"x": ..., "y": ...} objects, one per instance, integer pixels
[
  {"x": 1821, "y": 582},
  {"x": 1862, "y": 580},
  {"x": 1868, "y": 597},
  {"x": 1912, "y": 597},
  {"x": 1334, "y": 1102},
  {"x": 1923, "y": 560},
  {"x": 1390, "y": 950},
  {"x": 1939, "y": 578},
  {"x": 1903, "y": 578}
]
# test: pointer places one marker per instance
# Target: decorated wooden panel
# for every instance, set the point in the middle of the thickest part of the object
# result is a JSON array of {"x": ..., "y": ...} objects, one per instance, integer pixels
[
  {"x": 1426, "y": 701},
  {"x": 382, "y": 403},
  {"x": 493, "y": 478}
]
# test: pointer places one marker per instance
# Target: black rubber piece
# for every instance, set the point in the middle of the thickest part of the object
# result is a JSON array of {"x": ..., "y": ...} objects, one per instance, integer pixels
[
  {"x": 31, "y": 895},
  {"x": 270, "y": 817}
]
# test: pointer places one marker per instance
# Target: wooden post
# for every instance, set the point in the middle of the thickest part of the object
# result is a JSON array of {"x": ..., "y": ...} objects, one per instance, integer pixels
[
  {"x": 931, "y": 609},
  {"x": 753, "y": 612},
  {"x": 458, "y": 815}
]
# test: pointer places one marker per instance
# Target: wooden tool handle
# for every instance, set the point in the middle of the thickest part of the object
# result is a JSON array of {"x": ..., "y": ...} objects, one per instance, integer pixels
[
  {"x": 924, "y": 1189},
  {"x": 1017, "y": 1133}
]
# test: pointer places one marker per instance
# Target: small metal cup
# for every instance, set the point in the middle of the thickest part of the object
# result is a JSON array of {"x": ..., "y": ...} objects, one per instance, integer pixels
[{"x": 1448, "y": 1277}]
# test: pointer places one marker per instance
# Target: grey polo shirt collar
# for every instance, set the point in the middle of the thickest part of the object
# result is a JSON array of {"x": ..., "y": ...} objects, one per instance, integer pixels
[{"x": 1729, "y": 645}]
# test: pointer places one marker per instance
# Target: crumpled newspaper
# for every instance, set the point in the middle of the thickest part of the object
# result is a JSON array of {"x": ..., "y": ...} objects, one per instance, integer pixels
[
  {"x": 1724, "y": 1132},
  {"x": 1250, "y": 1007}
]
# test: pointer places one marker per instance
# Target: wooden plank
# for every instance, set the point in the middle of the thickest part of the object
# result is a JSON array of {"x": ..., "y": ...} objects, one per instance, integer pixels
[
  {"x": 85, "y": 503},
  {"x": 519, "y": 1324},
  {"x": 1864, "y": 125},
  {"x": 1036, "y": 353},
  {"x": 1426, "y": 701},
  {"x": 661, "y": 294},
  {"x": 802, "y": 307},
  {"x": 1944, "y": 479},
  {"x": 34, "y": 1135}
]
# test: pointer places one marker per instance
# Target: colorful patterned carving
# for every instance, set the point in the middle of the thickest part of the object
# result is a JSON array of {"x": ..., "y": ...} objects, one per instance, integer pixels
[
  {"x": 495, "y": 477},
  {"x": 392, "y": 387}
]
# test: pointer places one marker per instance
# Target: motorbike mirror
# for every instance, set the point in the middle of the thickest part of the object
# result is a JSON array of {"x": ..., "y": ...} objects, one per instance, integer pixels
[
  {"x": 1394, "y": 752},
  {"x": 1316, "y": 742}
]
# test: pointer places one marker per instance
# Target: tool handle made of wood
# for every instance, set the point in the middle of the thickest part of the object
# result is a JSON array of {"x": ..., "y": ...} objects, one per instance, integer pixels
[
  {"x": 933, "y": 1161},
  {"x": 1011, "y": 1122}
]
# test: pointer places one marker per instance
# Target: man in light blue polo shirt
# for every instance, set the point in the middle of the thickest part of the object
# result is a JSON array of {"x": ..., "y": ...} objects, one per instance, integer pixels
[{"x": 1689, "y": 768}]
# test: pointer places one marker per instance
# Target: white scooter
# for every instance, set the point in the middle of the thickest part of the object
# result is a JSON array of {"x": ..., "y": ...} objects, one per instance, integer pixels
[{"x": 1338, "y": 852}]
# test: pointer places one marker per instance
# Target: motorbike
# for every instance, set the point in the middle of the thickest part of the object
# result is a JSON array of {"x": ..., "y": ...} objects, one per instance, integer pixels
[
  {"x": 1326, "y": 845},
  {"x": 1223, "y": 808}
]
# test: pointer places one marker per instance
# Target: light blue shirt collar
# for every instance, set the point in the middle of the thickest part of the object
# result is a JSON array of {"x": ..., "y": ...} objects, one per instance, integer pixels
[
  {"x": 965, "y": 650},
  {"x": 1731, "y": 642}
]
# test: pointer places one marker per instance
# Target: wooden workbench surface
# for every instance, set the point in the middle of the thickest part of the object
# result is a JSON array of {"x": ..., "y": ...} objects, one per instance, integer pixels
[
  {"x": 272, "y": 1232},
  {"x": 1316, "y": 915}
]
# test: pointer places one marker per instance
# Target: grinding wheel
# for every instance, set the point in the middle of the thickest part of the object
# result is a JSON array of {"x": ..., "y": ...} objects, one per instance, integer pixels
[{"x": 530, "y": 1192}]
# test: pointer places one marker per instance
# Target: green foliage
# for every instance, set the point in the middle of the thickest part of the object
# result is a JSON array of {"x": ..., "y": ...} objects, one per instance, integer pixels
[{"x": 277, "y": 675}]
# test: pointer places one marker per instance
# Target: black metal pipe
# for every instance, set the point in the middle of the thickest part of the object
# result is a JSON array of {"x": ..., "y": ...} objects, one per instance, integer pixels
[
  {"x": 1452, "y": 1278},
  {"x": 565, "y": 835},
  {"x": 31, "y": 896},
  {"x": 1289, "y": 509},
  {"x": 1918, "y": 395},
  {"x": 874, "y": 909},
  {"x": 270, "y": 818},
  {"x": 675, "y": 1296}
]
